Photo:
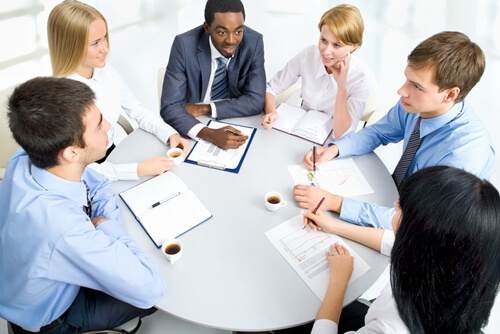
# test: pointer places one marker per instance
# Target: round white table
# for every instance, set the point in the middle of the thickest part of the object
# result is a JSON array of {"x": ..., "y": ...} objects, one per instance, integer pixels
[{"x": 230, "y": 276}]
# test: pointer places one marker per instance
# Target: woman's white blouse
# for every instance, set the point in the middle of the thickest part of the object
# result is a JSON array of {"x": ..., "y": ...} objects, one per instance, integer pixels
[
  {"x": 112, "y": 98},
  {"x": 319, "y": 89}
]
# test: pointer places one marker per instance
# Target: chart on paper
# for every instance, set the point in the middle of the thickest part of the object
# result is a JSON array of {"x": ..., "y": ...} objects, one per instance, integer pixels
[
  {"x": 341, "y": 177},
  {"x": 304, "y": 249},
  {"x": 302, "y": 243}
]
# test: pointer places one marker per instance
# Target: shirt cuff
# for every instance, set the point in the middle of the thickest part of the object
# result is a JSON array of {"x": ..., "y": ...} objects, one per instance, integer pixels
[
  {"x": 214, "y": 110},
  {"x": 350, "y": 210},
  {"x": 127, "y": 171},
  {"x": 324, "y": 326},
  {"x": 112, "y": 228},
  {"x": 193, "y": 133},
  {"x": 387, "y": 242}
]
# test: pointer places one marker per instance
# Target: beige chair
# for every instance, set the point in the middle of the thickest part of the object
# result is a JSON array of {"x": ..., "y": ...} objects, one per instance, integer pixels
[
  {"x": 125, "y": 124},
  {"x": 288, "y": 94},
  {"x": 372, "y": 114},
  {"x": 129, "y": 327},
  {"x": 9, "y": 145},
  {"x": 161, "y": 76}
]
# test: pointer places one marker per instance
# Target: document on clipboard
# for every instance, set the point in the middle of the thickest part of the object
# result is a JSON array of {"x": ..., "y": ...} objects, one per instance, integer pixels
[
  {"x": 208, "y": 155},
  {"x": 165, "y": 207}
]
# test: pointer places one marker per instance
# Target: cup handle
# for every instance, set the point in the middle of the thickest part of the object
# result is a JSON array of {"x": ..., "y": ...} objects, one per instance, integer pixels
[{"x": 283, "y": 204}]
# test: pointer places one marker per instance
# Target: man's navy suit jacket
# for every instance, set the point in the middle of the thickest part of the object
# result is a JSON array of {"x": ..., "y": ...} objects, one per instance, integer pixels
[{"x": 188, "y": 72}]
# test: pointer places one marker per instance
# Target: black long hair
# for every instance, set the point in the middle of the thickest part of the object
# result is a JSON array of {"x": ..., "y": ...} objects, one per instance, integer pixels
[{"x": 445, "y": 260}]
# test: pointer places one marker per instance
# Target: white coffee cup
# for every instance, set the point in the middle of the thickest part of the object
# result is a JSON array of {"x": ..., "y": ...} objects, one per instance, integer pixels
[
  {"x": 172, "y": 249},
  {"x": 274, "y": 201},
  {"x": 176, "y": 155}
]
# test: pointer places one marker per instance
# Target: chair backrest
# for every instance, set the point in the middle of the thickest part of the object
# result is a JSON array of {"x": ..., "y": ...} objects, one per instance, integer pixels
[
  {"x": 372, "y": 103},
  {"x": 9, "y": 328},
  {"x": 288, "y": 93},
  {"x": 9, "y": 145},
  {"x": 161, "y": 76}
]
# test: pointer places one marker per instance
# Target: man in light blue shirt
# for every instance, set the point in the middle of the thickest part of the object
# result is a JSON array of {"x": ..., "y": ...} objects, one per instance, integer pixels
[
  {"x": 440, "y": 73},
  {"x": 67, "y": 264}
]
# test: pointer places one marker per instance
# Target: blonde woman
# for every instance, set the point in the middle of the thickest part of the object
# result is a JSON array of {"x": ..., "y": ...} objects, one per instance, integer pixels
[
  {"x": 79, "y": 44},
  {"x": 333, "y": 79}
]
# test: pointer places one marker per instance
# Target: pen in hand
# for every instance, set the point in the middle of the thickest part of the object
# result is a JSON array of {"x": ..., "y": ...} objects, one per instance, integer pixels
[
  {"x": 314, "y": 212},
  {"x": 232, "y": 132},
  {"x": 314, "y": 158}
]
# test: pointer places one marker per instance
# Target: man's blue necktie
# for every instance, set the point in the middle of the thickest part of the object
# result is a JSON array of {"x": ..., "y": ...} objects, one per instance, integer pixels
[
  {"x": 219, "y": 86},
  {"x": 407, "y": 157}
]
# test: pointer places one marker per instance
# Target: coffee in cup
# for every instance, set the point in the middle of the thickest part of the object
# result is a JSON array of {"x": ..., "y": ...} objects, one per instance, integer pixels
[
  {"x": 172, "y": 249},
  {"x": 274, "y": 201},
  {"x": 176, "y": 155}
]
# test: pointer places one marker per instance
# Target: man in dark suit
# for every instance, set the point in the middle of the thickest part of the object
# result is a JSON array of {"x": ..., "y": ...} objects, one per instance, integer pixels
[{"x": 195, "y": 75}]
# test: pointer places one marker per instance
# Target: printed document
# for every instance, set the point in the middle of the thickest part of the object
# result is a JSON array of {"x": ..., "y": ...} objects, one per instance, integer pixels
[
  {"x": 305, "y": 249},
  {"x": 339, "y": 176},
  {"x": 207, "y": 154}
]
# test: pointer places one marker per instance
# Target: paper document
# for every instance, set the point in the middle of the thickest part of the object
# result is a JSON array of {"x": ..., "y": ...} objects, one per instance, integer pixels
[
  {"x": 304, "y": 249},
  {"x": 164, "y": 207},
  {"x": 208, "y": 155},
  {"x": 339, "y": 176}
]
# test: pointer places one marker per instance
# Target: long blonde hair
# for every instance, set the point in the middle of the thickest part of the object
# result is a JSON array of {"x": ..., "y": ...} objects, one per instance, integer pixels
[
  {"x": 68, "y": 30},
  {"x": 345, "y": 22}
]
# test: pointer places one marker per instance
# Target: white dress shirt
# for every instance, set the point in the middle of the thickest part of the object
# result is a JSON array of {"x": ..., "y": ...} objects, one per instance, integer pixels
[
  {"x": 319, "y": 89},
  {"x": 112, "y": 97},
  {"x": 193, "y": 133},
  {"x": 382, "y": 317}
]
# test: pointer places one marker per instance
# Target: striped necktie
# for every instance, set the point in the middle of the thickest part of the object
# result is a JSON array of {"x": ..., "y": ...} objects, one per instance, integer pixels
[
  {"x": 219, "y": 86},
  {"x": 407, "y": 157},
  {"x": 88, "y": 208}
]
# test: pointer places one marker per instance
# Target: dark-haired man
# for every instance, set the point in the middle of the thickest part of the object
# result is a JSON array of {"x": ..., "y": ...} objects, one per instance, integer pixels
[
  {"x": 67, "y": 264},
  {"x": 432, "y": 117},
  {"x": 215, "y": 69}
]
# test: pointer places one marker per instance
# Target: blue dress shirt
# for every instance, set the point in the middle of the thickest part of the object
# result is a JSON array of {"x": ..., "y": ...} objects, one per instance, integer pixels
[
  {"x": 49, "y": 247},
  {"x": 457, "y": 138}
]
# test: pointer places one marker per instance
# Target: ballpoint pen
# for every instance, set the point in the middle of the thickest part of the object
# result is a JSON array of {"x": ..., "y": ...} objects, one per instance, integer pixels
[
  {"x": 314, "y": 158},
  {"x": 232, "y": 132},
  {"x": 314, "y": 212},
  {"x": 154, "y": 205}
]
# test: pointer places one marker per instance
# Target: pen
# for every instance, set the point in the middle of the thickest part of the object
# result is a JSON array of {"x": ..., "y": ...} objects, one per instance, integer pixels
[
  {"x": 154, "y": 205},
  {"x": 231, "y": 132},
  {"x": 314, "y": 211},
  {"x": 314, "y": 158}
]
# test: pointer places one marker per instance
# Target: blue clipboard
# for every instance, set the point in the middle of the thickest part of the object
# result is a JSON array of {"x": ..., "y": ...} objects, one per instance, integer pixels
[{"x": 212, "y": 161}]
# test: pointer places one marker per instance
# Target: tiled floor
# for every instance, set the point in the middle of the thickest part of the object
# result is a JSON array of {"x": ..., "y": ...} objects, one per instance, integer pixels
[{"x": 138, "y": 51}]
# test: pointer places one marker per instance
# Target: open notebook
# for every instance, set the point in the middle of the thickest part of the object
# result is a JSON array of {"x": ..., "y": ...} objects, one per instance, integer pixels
[
  {"x": 164, "y": 207},
  {"x": 312, "y": 125}
]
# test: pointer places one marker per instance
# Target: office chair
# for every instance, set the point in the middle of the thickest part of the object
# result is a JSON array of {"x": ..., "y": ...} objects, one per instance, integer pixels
[
  {"x": 130, "y": 327},
  {"x": 372, "y": 114},
  {"x": 9, "y": 145}
]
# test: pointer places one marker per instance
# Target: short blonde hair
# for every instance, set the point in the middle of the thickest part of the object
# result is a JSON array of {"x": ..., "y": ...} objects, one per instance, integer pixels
[
  {"x": 67, "y": 32},
  {"x": 345, "y": 22}
]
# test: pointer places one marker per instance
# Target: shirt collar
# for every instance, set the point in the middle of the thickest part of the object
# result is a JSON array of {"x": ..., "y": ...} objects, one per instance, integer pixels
[
  {"x": 96, "y": 76},
  {"x": 74, "y": 191},
  {"x": 428, "y": 125},
  {"x": 320, "y": 68}
]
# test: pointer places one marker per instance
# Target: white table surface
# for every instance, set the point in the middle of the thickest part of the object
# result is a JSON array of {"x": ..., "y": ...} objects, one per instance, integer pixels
[{"x": 230, "y": 276}]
